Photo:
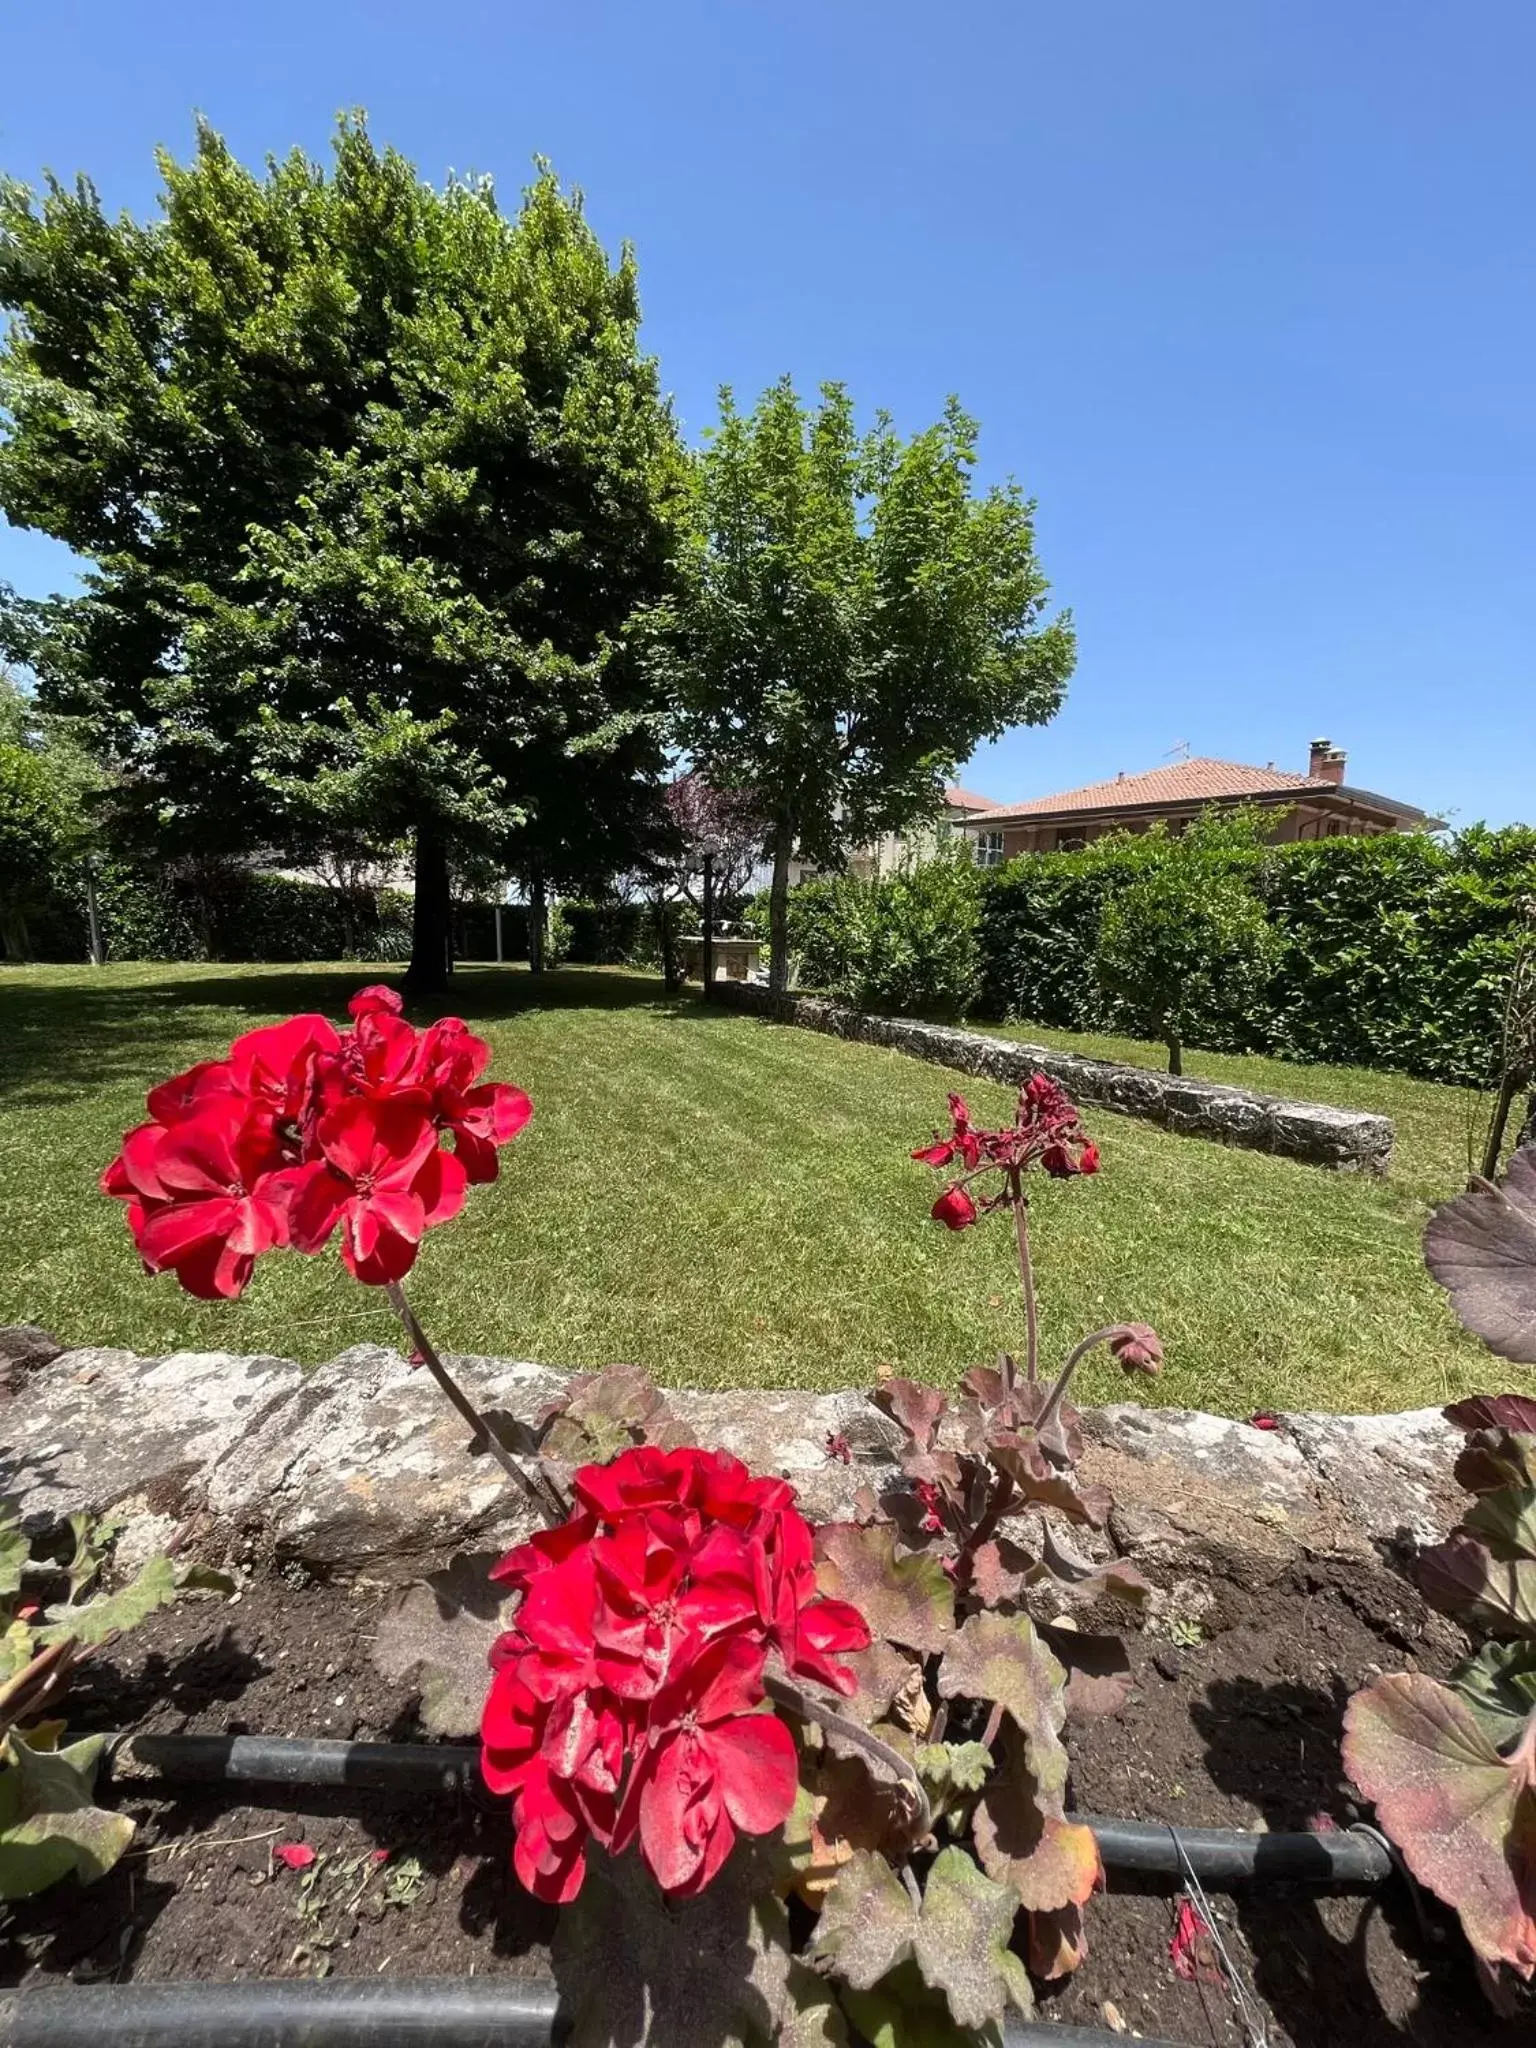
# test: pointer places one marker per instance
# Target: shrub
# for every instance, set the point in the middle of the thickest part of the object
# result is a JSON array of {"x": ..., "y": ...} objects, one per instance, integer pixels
[
  {"x": 1186, "y": 943},
  {"x": 904, "y": 942},
  {"x": 1393, "y": 951}
]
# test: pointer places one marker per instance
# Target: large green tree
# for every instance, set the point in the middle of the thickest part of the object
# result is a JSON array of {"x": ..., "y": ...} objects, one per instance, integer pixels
[
  {"x": 856, "y": 619},
  {"x": 371, "y": 479}
]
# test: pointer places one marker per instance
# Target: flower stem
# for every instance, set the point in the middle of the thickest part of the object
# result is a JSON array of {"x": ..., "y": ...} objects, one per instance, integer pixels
[
  {"x": 538, "y": 1487},
  {"x": 1026, "y": 1286},
  {"x": 1075, "y": 1356},
  {"x": 999, "y": 1501},
  {"x": 784, "y": 1692}
]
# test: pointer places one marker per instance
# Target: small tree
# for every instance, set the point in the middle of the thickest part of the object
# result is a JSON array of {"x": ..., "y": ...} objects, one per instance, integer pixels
[
  {"x": 855, "y": 621},
  {"x": 1188, "y": 936}
]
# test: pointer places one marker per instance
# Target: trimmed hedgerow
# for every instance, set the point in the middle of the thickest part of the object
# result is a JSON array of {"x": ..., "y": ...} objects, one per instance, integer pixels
[{"x": 1390, "y": 952}]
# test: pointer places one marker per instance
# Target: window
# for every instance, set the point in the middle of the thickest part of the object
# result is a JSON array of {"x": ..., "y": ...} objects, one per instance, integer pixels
[
  {"x": 1070, "y": 839},
  {"x": 989, "y": 849}
]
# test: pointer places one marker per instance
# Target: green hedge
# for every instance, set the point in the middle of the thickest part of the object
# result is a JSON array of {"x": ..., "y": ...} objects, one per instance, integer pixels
[
  {"x": 230, "y": 914},
  {"x": 904, "y": 942},
  {"x": 1392, "y": 951}
]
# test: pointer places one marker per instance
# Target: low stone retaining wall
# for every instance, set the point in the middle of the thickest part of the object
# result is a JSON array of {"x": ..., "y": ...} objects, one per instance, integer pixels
[
  {"x": 1346, "y": 1140},
  {"x": 358, "y": 1469}
]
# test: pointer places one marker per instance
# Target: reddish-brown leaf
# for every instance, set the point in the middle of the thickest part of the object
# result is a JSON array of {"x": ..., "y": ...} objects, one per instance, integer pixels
[
  {"x": 905, "y": 1600},
  {"x": 1494, "y": 1411},
  {"x": 1000, "y": 1571},
  {"x": 1057, "y": 1942},
  {"x": 1481, "y": 1247},
  {"x": 1002, "y": 1659},
  {"x": 1463, "y": 1816},
  {"x": 918, "y": 1410},
  {"x": 1098, "y": 1672},
  {"x": 1049, "y": 1862},
  {"x": 1460, "y": 1576}
]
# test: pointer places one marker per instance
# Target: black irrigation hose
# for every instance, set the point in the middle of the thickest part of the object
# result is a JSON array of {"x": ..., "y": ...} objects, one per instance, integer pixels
[
  {"x": 341, "y": 2012},
  {"x": 1218, "y": 1856}
]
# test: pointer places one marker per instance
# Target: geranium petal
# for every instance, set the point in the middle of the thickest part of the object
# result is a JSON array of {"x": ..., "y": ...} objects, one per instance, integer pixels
[{"x": 758, "y": 1770}]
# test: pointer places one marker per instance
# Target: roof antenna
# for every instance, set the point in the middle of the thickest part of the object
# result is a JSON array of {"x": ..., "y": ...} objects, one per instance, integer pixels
[{"x": 1179, "y": 748}]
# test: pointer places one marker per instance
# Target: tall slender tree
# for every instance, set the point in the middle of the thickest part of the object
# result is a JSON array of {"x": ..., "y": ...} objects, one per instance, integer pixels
[
  {"x": 855, "y": 620},
  {"x": 370, "y": 478}
]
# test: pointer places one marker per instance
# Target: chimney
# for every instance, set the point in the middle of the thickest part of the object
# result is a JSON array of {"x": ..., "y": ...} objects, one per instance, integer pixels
[{"x": 1327, "y": 762}]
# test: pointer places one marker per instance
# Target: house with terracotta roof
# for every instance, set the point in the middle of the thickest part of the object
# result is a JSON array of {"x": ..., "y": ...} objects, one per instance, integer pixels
[
  {"x": 920, "y": 842},
  {"x": 1317, "y": 805}
]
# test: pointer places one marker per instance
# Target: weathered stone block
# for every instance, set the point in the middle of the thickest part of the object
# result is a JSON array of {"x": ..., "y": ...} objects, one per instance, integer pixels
[{"x": 1346, "y": 1140}]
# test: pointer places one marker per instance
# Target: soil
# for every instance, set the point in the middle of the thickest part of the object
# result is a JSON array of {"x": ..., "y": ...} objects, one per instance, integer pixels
[{"x": 1240, "y": 1728}]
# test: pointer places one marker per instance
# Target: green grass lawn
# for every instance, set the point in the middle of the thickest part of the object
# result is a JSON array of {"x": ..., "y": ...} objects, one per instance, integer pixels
[{"x": 730, "y": 1202}]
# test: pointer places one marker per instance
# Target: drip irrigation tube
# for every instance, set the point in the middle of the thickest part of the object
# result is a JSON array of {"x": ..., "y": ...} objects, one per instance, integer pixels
[
  {"x": 1218, "y": 1856},
  {"x": 341, "y": 2012}
]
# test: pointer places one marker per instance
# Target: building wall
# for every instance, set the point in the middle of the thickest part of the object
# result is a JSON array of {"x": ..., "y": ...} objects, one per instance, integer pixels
[{"x": 1310, "y": 819}]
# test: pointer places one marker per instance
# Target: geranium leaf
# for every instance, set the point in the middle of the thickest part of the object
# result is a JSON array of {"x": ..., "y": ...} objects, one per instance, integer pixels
[
  {"x": 1000, "y": 1571},
  {"x": 868, "y": 1922},
  {"x": 901, "y": 2012},
  {"x": 961, "y": 1943},
  {"x": 1481, "y": 1247},
  {"x": 884, "y": 1674},
  {"x": 603, "y": 1413},
  {"x": 1461, "y": 1576},
  {"x": 1098, "y": 1672},
  {"x": 1494, "y": 1411},
  {"x": 638, "y": 1970},
  {"x": 154, "y": 1585},
  {"x": 1000, "y": 1658},
  {"x": 1046, "y": 1861},
  {"x": 15, "y": 1552},
  {"x": 1057, "y": 1943},
  {"x": 1463, "y": 1816},
  {"x": 1499, "y": 1685},
  {"x": 1505, "y": 1520},
  {"x": 37, "y": 1852},
  {"x": 438, "y": 1635},
  {"x": 1494, "y": 1458},
  {"x": 905, "y": 1600},
  {"x": 1019, "y": 1455},
  {"x": 917, "y": 1410},
  {"x": 1117, "y": 1578}
]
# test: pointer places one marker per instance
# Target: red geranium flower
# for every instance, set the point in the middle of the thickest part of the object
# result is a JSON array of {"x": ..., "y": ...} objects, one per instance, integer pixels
[
  {"x": 302, "y": 1128},
  {"x": 207, "y": 1197},
  {"x": 385, "y": 1180},
  {"x": 717, "y": 1765},
  {"x": 1046, "y": 1129},
  {"x": 639, "y": 1648}
]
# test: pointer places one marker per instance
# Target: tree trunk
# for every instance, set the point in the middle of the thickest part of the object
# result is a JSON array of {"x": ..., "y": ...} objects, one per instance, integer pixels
[
  {"x": 672, "y": 980},
  {"x": 427, "y": 974},
  {"x": 778, "y": 908},
  {"x": 538, "y": 924},
  {"x": 708, "y": 949},
  {"x": 1515, "y": 1079},
  {"x": 1175, "y": 1052}
]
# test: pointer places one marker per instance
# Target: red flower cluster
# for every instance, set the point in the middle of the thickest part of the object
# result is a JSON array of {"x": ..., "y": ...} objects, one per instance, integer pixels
[
  {"x": 1046, "y": 1127},
  {"x": 639, "y": 1647},
  {"x": 303, "y": 1129}
]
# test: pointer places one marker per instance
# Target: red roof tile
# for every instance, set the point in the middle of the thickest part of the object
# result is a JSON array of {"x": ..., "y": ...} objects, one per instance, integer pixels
[
  {"x": 1185, "y": 782},
  {"x": 967, "y": 800}
]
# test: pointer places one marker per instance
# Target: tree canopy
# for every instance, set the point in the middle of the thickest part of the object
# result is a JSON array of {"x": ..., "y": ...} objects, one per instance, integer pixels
[
  {"x": 855, "y": 619},
  {"x": 372, "y": 480},
  {"x": 1189, "y": 935}
]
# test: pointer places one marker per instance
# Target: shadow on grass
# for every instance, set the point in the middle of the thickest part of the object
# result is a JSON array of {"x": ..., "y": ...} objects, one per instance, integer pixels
[{"x": 58, "y": 1038}]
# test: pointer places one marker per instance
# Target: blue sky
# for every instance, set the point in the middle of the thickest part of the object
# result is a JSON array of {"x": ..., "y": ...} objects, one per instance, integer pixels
[{"x": 1241, "y": 290}]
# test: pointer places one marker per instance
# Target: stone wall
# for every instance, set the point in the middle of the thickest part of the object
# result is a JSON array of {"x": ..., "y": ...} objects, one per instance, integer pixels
[
  {"x": 1346, "y": 1140},
  {"x": 360, "y": 1471}
]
